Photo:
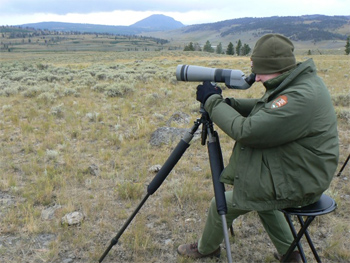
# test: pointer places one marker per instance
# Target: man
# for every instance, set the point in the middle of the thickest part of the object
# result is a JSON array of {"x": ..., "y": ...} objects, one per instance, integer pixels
[{"x": 286, "y": 149}]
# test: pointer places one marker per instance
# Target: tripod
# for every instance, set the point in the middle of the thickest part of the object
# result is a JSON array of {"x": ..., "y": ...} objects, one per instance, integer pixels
[{"x": 216, "y": 166}]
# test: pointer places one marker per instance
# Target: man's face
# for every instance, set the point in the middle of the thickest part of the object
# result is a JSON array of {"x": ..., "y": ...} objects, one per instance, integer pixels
[{"x": 265, "y": 77}]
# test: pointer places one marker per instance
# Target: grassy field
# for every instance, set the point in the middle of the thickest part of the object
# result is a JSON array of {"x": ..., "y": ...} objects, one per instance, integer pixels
[
  {"x": 47, "y": 42},
  {"x": 67, "y": 114}
]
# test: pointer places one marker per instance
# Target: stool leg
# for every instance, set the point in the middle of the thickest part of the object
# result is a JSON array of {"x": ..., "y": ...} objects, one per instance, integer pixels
[
  {"x": 231, "y": 230},
  {"x": 296, "y": 241},
  {"x": 301, "y": 221}
]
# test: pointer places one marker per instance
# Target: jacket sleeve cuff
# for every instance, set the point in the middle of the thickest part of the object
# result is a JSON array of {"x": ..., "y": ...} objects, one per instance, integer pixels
[{"x": 210, "y": 101}]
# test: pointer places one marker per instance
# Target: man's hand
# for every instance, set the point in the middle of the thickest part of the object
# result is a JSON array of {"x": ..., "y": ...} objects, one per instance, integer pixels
[{"x": 205, "y": 90}]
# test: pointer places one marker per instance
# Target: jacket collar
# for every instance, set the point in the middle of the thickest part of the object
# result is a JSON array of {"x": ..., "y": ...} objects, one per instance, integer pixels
[
  {"x": 281, "y": 82},
  {"x": 275, "y": 82}
]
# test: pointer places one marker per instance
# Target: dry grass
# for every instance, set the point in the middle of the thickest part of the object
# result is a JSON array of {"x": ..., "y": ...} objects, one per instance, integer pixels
[{"x": 63, "y": 112}]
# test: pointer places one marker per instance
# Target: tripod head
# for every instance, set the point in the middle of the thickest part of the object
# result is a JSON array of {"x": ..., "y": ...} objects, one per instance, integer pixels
[{"x": 206, "y": 124}]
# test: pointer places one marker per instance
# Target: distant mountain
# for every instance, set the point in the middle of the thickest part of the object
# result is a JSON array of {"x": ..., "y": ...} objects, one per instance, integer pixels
[
  {"x": 309, "y": 27},
  {"x": 298, "y": 28},
  {"x": 152, "y": 23},
  {"x": 158, "y": 22},
  {"x": 304, "y": 31},
  {"x": 84, "y": 28}
]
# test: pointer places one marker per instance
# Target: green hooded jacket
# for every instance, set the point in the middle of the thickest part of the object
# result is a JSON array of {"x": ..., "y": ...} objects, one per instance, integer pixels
[{"x": 287, "y": 148}]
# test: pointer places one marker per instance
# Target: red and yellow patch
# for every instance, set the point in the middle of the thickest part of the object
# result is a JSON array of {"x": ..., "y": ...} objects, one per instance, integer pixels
[{"x": 279, "y": 102}]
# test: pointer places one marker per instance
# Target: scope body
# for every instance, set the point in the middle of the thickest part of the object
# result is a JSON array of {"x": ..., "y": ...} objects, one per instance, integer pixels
[{"x": 234, "y": 79}]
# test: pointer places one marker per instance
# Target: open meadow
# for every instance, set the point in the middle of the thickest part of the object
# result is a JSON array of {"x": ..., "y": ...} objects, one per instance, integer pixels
[{"x": 75, "y": 131}]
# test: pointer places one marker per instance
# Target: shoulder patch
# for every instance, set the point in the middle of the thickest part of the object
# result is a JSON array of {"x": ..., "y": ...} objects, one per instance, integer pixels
[{"x": 279, "y": 102}]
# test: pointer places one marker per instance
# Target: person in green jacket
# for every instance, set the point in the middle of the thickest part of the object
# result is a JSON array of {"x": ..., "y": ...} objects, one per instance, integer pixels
[{"x": 286, "y": 145}]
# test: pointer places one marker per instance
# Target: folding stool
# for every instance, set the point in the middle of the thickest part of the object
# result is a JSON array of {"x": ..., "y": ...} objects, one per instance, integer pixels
[{"x": 324, "y": 206}]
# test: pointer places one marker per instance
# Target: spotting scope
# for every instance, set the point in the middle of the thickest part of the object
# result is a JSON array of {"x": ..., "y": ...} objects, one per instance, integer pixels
[{"x": 234, "y": 79}]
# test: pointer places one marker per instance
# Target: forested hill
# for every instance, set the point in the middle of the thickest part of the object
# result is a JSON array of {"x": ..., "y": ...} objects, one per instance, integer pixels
[
  {"x": 151, "y": 23},
  {"x": 298, "y": 28}
]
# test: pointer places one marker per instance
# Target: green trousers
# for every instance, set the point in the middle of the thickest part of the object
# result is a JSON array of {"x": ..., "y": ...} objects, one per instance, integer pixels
[{"x": 273, "y": 221}]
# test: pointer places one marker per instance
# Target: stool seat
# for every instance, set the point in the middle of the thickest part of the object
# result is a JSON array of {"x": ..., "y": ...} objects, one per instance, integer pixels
[{"x": 323, "y": 206}]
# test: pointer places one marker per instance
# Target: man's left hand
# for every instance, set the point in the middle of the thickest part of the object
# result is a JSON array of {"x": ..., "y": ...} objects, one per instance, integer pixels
[{"x": 205, "y": 90}]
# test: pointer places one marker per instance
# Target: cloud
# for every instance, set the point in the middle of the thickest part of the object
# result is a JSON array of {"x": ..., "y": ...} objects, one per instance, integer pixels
[
  {"x": 255, "y": 7},
  {"x": 62, "y": 7},
  {"x": 127, "y": 12}
]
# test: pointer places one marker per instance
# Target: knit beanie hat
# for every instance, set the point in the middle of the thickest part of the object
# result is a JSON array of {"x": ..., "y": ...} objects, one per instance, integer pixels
[{"x": 272, "y": 53}]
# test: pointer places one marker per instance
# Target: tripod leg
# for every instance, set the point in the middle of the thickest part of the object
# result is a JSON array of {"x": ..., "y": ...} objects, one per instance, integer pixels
[
  {"x": 172, "y": 160},
  {"x": 227, "y": 241},
  {"x": 114, "y": 241},
  {"x": 167, "y": 167},
  {"x": 216, "y": 165}
]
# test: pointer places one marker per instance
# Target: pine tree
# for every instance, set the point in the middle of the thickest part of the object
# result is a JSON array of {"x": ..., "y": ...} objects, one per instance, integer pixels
[
  {"x": 189, "y": 47},
  {"x": 208, "y": 48},
  {"x": 219, "y": 48},
  {"x": 238, "y": 47},
  {"x": 246, "y": 50},
  {"x": 347, "y": 46},
  {"x": 230, "y": 50}
]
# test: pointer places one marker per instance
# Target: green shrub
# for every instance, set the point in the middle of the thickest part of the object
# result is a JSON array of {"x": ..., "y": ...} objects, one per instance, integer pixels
[
  {"x": 101, "y": 76},
  {"x": 344, "y": 114},
  {"x": 119, "y": 90},
  {"x": 70, "y": 91},
  {"x": 7, "y": 92},
  {"x": 342, "y": 100},
  {"x": 47, "y": 97},
  {"x": 130, "y": 190},
  {"x": 17, "y": 76},
  {"x": 100, "y": 87},
  {"x": 41, "y": 66},
  {"x": 58, "y": 111},
  {"x": 31, "y": 92}
]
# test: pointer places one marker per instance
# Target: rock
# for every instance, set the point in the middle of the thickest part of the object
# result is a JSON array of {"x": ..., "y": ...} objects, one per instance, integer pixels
[
  {"x": 197, "y": 169},
  {"x": 36, "y": 242},
  {"x": 6, "y": 200},
  {"x": 49, "y": 213},
  {"x": 68, "y": 260},
  {"x": 74, "y": 218},
  {"x": 155, "y": 168},
  {"x": 180, "y": 118},
  {"x": 158, "y": 116},
  {"x": 168, "y": 242},
  {"x": 190, "y": 220},
  {"x": 43, "y": 240},
  {"x": 93, "y": 170},
  {"x": 165, "y": 135}
]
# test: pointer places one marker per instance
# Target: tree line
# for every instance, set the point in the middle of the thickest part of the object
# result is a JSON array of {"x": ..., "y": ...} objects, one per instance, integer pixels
[
  {"x": 15, "y": 32},
  {"x": 240, "y": 49},
  {"x": 347, "y": 46}
]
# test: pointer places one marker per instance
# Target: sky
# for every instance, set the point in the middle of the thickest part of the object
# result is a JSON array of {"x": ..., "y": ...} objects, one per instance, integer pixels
[{"x": 189, "y": 12}]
